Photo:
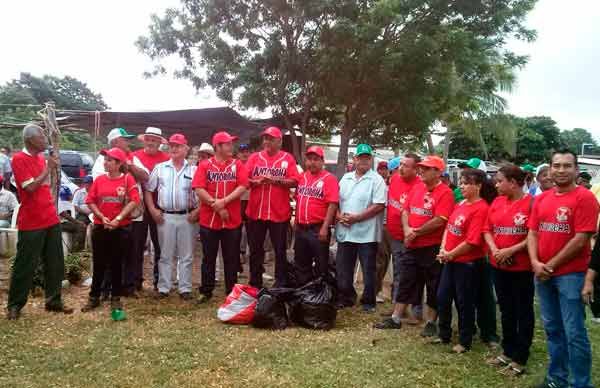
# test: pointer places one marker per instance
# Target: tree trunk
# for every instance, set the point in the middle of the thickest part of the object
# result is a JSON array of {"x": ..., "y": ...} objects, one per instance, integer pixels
[
  {"x": 295, "y": 146},
  {"x": 342, "y": 160},
  {"x": 446, "y": 143},
  {"x": 53, "y": 134},
  {"x": 430, "y": 146}
]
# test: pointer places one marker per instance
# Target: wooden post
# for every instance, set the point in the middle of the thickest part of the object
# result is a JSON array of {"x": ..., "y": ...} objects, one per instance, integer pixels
[{"x": 53, "y": 134}]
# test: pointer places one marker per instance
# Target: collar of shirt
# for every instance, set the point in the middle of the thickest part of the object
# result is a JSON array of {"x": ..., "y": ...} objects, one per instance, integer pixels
[{"x": 352, "y": 175}]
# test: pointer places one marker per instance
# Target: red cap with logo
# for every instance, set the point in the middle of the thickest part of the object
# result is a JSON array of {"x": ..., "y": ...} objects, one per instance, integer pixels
[
  {"x": 178, "y": 138},
  {"x": 382, "y": 165},
  {"x": 433, "y": 161},
  {"x": 222, "y": 137},
  {"x": 273, "y": 132},
  {"x": 115, "y": 153},
  {"x": 315, "y": 150}
]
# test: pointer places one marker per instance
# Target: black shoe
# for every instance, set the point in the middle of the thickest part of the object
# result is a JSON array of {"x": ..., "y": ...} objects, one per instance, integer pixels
[
  {"x": 388, "y": 323},
  {"x": 547, "y": 384},
  {"x": 91, "y": 304},
  {"x": 430, "y": 330},
  {"x": 60, "y": 309},
  {"x": 368, "y": 309},
  {"x": 13, "y": 314},
  {"x": 162, "y": 295},
  {"x": 105, "y": 297},
  {"x": 186, "y": 296}
]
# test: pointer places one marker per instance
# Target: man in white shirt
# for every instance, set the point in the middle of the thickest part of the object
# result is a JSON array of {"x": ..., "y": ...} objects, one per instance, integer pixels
[{"x": 8, "y": 204}]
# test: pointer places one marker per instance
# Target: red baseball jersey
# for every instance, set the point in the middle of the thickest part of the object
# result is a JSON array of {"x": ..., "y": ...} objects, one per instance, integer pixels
[
  {"x": 507, "y": 222},
  {"x": 398, "y": 192},
  {"x": 111, "y": 195},
  {"x": 149, "y": 161},
  {"x": 423, "y": 205},
  {"x": 37, "y": 210},
  {"x": 313, "y": 196},
  {"x": 466, "y": 224},
  {"x": 557, "y": 217},
  {"x": 270, "y": 202},
  {"x": 220, "y": 179}
]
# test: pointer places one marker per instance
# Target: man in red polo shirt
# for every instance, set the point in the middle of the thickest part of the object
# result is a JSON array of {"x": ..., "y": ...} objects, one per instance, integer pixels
[
  {"x": 150, "y": 156},
  {"x": 424, "y": 218},
  {"x": 219, "y": 182},
  {"x": 39, "y": 233},
  {"x": 317, "y": 197},
  {"x": 562, "y": 221},
  {"x": 272, "y": 173}
]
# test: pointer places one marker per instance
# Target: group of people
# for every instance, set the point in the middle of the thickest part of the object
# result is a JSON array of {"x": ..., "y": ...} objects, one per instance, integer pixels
[{"x": 448, "y": 248}]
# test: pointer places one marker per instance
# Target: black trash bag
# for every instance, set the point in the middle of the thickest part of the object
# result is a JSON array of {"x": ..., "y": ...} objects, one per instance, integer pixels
[
  {"x": 314, "y": 305},
  {"x": 271, "y": 311}
]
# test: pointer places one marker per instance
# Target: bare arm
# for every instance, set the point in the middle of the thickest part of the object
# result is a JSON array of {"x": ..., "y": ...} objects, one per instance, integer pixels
[{"x": 140, "y": 175}]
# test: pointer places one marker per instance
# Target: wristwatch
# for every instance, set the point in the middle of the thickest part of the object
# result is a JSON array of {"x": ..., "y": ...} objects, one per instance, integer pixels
[{"x": 119, "y": 218}]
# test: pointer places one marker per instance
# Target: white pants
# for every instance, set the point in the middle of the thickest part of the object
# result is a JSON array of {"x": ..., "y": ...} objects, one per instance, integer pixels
[{"x": 176, "y": 237}]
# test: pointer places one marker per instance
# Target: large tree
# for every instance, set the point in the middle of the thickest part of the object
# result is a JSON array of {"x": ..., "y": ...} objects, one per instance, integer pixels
[
  {"x": 380, "y": 67},
  {"x": 574, "y": 140}
]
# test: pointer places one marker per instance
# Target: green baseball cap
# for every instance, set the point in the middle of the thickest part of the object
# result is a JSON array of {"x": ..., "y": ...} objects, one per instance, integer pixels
[
  {"x": 118, "y": 132},
  {"x": 528, "y": 167},
  {"x": 471, "y": 163},
  {"x": 363, "y": 149}
]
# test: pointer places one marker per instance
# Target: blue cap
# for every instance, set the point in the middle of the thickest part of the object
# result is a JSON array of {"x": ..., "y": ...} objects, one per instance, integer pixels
[
  {"x": 446, "y": 174},
  {"x": 87, "y": 179},
  {"x": 64, "y": 193},
  {"x": 394, "y": 163},
  {"x": 243, "y": 146}
]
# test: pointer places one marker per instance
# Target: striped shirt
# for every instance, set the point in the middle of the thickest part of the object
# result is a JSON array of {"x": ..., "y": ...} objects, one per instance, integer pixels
[{"x": 174, "y": 187}]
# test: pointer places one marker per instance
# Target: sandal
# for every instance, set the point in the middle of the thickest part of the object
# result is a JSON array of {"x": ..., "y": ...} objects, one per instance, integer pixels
[
  {"x": 513, "y": 370},
  {"x": 499, "y": 361}
]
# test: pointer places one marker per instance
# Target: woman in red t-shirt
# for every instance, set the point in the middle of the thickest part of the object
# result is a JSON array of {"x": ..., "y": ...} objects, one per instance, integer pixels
[
  {"x": 111, "y": 198},
  {"x": 505, "y": 233},
  {"x": 462, "y": 245}
]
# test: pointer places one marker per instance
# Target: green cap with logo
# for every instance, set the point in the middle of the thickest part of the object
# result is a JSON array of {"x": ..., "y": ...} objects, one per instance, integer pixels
[
  {"x": 363, "y": 149},
  {"x": 528, "y": 167},
  {"x": 471, "y": 163}
]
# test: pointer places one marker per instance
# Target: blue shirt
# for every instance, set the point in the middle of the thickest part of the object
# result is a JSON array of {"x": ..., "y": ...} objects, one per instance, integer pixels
[{"x": 356, "y": 195}]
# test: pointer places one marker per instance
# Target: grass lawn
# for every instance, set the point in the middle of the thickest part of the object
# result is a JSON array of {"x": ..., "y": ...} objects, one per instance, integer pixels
[{"x": 175, "y": 344}]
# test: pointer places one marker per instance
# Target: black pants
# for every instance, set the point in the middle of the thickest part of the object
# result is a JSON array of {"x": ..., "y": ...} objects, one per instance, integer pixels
[
  {"x": 458, "y": 284},
  {"x": 257, "y": 230},
  {"x": 595, "y": 305},
  {"x": 311, "y": 256},
  {"x": 133, "y": 268},
  {"x": 515, "y": 292},
  {"x": 485, "y": 304},
  {"x": 110, "y": 248},
  {"x": 149, "y": 224},
  {"x": 347, "y": 253},
  {"x": 418, "y": 268},
  {"x": 229, "y": 240}
]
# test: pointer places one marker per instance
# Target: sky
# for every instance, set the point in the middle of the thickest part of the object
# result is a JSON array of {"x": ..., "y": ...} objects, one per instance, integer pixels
[{"x": 94, "y": 42}]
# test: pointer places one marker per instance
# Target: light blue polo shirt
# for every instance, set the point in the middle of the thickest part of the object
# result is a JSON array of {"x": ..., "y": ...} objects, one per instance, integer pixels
[{"x": 356, "y": 195}]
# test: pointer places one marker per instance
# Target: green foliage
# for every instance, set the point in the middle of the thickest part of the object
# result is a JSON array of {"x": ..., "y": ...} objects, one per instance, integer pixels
[
  {"x": 76, "y": 265},
  {"x": 22, "y": 98},
  {"x": 383, "y": 70},
  {"x": 575, "y": 138}
]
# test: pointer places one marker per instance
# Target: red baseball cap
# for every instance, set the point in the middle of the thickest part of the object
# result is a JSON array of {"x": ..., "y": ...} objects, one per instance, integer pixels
[
  {"x": 315, "y": 150},
  {"x": 222, "y": 137},
  {"x": 433, "y": 161},
  {"x": 382, "y": 164},
  {"x": 115, "y": 153},
  {"x": 178, "y": 138},
  {"x": 273, "y": 132}
]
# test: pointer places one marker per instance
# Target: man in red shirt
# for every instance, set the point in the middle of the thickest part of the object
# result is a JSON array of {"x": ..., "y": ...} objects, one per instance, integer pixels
[
  {"x": 562, "y": 221},
  {"x": 39, "y": 233},
  {"x": 219, "y": 183},
  {"x": 425, "y": 211},
  {"x": 317, "y": 198},
  {"x": 272, "y": 173},
  {"x": 150, "y": 156}
]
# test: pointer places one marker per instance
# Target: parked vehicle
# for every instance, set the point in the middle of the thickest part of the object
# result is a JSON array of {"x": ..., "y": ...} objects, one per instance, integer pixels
[{"x": 76, "y": 164}]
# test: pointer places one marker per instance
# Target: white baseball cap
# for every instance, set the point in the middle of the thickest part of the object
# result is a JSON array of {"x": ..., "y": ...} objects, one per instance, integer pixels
[
  {"x": 205, "y": 147},
  {"x": 118, "y": 132}
]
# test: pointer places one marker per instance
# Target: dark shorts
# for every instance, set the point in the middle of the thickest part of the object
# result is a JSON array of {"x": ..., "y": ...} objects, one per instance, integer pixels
[{"x": 419, "y": 268}]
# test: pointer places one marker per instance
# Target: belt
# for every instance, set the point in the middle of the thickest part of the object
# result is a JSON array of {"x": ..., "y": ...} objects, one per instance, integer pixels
[
  {"x": 309, "y": 226},
  {"x": 177, "y": 211}
]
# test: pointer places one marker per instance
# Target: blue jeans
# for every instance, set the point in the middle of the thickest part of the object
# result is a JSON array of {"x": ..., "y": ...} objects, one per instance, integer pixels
[
  {"x": 563, "y": 316},
  {"x": 345, "y": 263}
]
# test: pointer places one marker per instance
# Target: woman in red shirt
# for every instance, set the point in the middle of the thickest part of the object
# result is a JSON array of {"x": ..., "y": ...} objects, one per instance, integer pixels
[
  {"x": 462, "y": 245},
  {"x": 505, "y": 233},
  {"x": 111, "y": 198}
]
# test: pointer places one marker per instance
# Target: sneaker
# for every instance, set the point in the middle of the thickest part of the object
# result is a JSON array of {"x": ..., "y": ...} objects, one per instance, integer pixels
[
  {"x": 13, "y": 314},
  {"x": 596, "y": 320},
  {"x": 203, "y": 298},
  {"x": 162, "y": 295},
  {"x": 547, "y": 384},
  {"x": 388, "y": 324},
  {"x": 186, "y": 296},
  {"x": 379, "y": 298},
  {"x": 429, "y": 330},
  {"x": 368, "y": 309},
  {"x": 91, "y": 304}
]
